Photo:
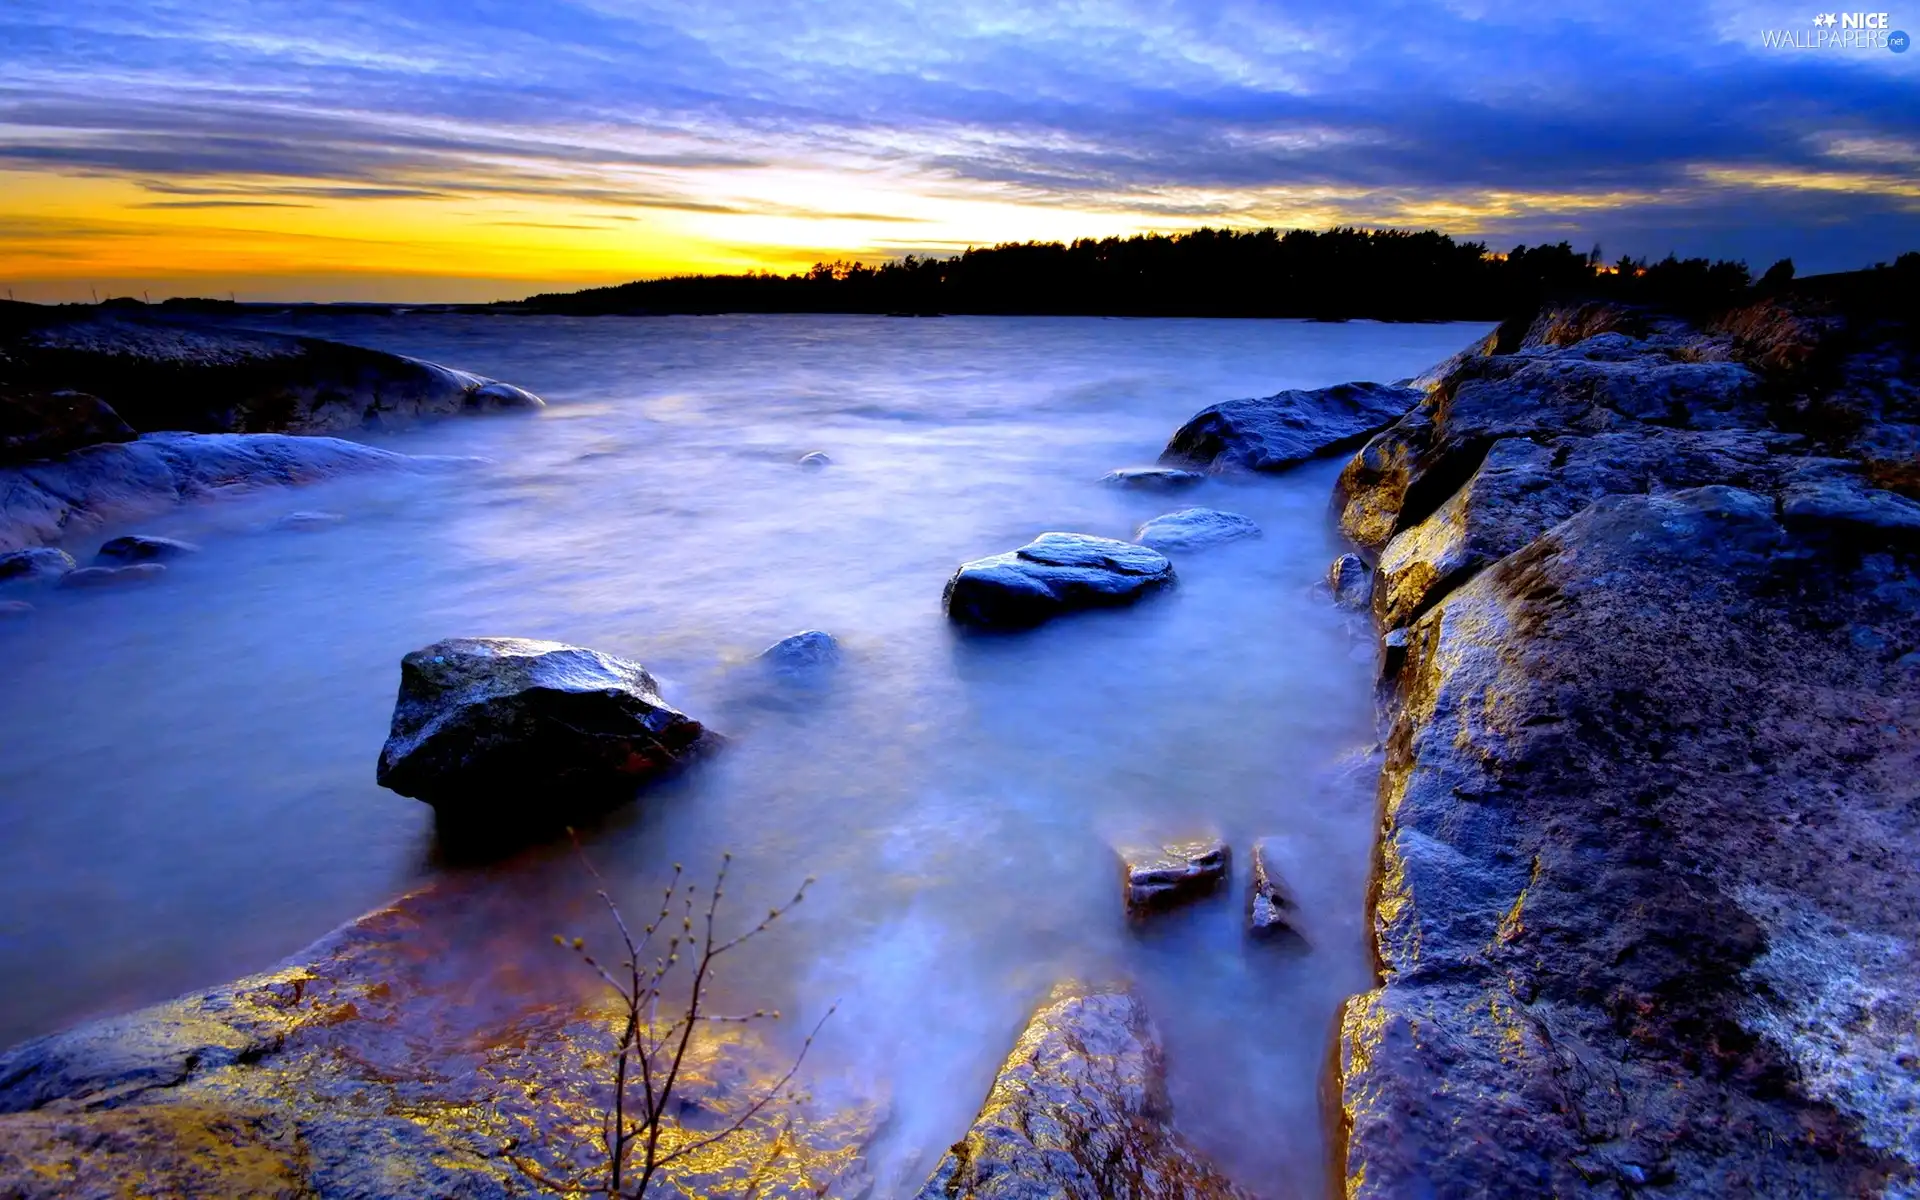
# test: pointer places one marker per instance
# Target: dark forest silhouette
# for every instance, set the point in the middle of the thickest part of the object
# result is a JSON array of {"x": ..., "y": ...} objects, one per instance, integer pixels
[{"x": 1341, "y": 273}]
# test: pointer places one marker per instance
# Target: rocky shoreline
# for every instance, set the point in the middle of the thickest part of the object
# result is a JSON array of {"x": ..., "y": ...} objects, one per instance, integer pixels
[{"x": 1647, "y": 592}]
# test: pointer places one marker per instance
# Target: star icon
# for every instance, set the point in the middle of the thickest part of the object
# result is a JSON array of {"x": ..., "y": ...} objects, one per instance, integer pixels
[{"x": 1824, "y": 20}]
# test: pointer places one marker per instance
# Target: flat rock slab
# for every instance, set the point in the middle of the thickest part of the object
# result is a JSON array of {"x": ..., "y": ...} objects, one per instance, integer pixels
[
  {"x": 1282, "y": 430},
  {"x": 1079, "y": 1111},
  {"x": 1158, "y": 877},
  {"x": 1053, "y": 574},
  {"x": 1153, "y": 479},
  {"x": 1194, "y": 528},
  {"x": 526, "y": 732},
  {"x": 140, "y": 547}
]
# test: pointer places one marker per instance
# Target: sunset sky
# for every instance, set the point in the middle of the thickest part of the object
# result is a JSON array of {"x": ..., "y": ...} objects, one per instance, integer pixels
[{"x": 431, "y": 150}]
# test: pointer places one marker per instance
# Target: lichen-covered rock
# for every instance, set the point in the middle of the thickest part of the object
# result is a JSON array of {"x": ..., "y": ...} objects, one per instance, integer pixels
[
  {"x": 43, "y": 502},
  {"x": 34, "y": 566},
  {"x": 528, "y": 732},
  {"x": 1157, "y": 877},
  {"x": 1194, "y": 528},
  {"x": 1351, "y": 581},
  {"x": 103, "y": 577},
  {"x": 36, "y": 425},
  {"x": 1649, "y": 806},
  {"x": 1079, "y": 1111},
  {"x": 1156, "y": 479},
  {"x": 1279, "y": 431},
  {"x": 1271, "y": 908},
  {"x": 398, "y": 1057},
  {"x": 143, "y": 547},
  {"x": 1053, "y": 574}
]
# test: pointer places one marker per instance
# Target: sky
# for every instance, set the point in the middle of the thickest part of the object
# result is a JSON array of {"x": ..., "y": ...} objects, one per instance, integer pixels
[{"x": 430, "y": 150}]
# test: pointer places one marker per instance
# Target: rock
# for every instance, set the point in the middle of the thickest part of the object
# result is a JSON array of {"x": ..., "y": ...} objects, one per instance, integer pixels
[
  {"x": 1271, "y": 909},
  {"x": 1158, "y": 877},
  {"x": 309, "y": 521},
  {"x": 1159, "y": 479},
  {"x": 95, "y": 577},
  {"x": 1287, "y": 428},
  {"x": 14, "y": 608},
  {"x": 1079, "y": 1111},
  {"x": 392, "y": 1058},
  {"x": 802, "y": 653},
  {"x": 140, "y": 547},
  {"x": 528, "y": 732},
  {"x": 35, "y": 425},
  {"x": 1351, "y": 581},
  {"x": 1193, "y": 528},
  {"x": 43, "y": 502},
  {"x": 38, "y": 565},
  {"x": 1648, "y": 826},
  {"x": 814, "y": 460},
  {"x": 166, "y": 374},
  {"x": 1053, "y": 574},
  {"x": 1837, "y": 500}
]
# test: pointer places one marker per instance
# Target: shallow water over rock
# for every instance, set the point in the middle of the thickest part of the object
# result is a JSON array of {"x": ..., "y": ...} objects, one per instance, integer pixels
[{"x": 188, "y": 770}]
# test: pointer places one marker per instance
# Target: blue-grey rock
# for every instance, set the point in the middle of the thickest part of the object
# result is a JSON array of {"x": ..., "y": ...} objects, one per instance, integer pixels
[
  {"x": 35, "y": 565},
  {"x": 308, "y": 521},
  {"x": 141, "y": 547},
  {"x": 802, "y": 654},
  {"x": 1155, "y": 479},
  {"x": 1279, "y": 431},
  {"x": 814, "y": 460},
  {"x": 1271, "y": 907},
  {"x": 528, "y": 732},
  {"x": 1351, "y": 580},
  {"x": 98, "y": 577},
  {"x": 1053, "y": 574},
  {"x": 1193, "y": 528}
]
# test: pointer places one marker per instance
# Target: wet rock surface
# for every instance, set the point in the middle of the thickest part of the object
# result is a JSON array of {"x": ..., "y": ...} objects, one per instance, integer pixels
[
  {"x": 1153, "y": 479},
  {"x": 1279, "y": 431},
  {"x": 1271, "y": 908},
  {"x": 1645, "y": 902},
  {"x": 1194, "y": 529},
  {"x": 802, "y": 655},
  {"x": 1158, "y": 877},
  {"x": 34, "y": 566},
  {"x": 109, "y": 577},
  {"x": 1054, "y": 574},
  {"x": 1350, "y": 580},
  {"x": 396, "y": 1057},
  {"x": 43, "y": 502},
  {"x": 527, "y": 733},
  {"x": 142, "y": 547},
  {"x": 1079, "y": 1111}
]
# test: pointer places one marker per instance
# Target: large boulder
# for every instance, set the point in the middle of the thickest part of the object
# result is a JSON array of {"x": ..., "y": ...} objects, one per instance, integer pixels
[
  {"x": 1079, "y": 1111},
  {"x": 1287, "y": 428},
  {"x": 36, "y": 425},
  {"x": 1053, "y": 574},
  {"x": 1195, "y": 528},
  {"x": 1646, "y": 902},
  {"x": 45, "y": 501},
  {"x": 529, "y": 732}
]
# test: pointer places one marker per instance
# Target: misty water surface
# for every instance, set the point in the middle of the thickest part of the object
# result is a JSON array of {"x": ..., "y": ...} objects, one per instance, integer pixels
[{"x": 188, "y": 767}]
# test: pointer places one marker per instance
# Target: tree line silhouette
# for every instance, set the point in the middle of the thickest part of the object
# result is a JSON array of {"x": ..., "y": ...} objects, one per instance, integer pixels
[{"x": 1385, "y": 274}]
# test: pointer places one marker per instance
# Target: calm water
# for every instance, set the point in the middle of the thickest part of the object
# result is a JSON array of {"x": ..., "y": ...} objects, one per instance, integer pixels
[{"x": 188, "y": 768}]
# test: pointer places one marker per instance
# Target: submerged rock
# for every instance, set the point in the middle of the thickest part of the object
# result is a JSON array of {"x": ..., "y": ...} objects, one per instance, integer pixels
[
  {"x": 1271, "y": 909},
  {"x": 1053, "y": 574},
  {"x": 802, "y": 654},
  {"x": 14, "y": 608},
  {"x": 528, "y": 732},
  {"x": 1079, "y": 1111},
  {"x": 38, "y": 565},
  {"x": 1192, "y": 528},
  {"x": 814, "y": 460},
  {"x": 1158, "y": 479},
  {"x": 140, "y": 547},
  {"x": 308, "y": 521},
  {"x": 1158, "y": 877},
  {"x": 35, "y": 425},
  {"x": 1287, "y": 428},
  {"x": 95, "y": 577},
  {"x": 1351, "y": 581}
]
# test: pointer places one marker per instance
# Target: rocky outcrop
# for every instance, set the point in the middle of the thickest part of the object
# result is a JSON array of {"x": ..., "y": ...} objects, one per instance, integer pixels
[
  {"x": 35, "y": 425},
  {"x": 1053, "y": 574},
  {"x": 1287, "y": 428},
  {"x": 399, "y": 1056},
  {"x": 1194, "y": 529},
  {"x": 1644, "y": 902},
  {"x": 1157, "y": 877},
  {"x": 44, "y": 502},
  {"x": 522, "y": 733},
  {"x": 1079, "y": 1111},
  {"x": 173, "y": 375}
]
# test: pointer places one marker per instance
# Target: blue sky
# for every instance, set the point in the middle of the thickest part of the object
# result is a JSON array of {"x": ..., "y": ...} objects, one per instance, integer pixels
[{"x": 470, "y": 149}]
